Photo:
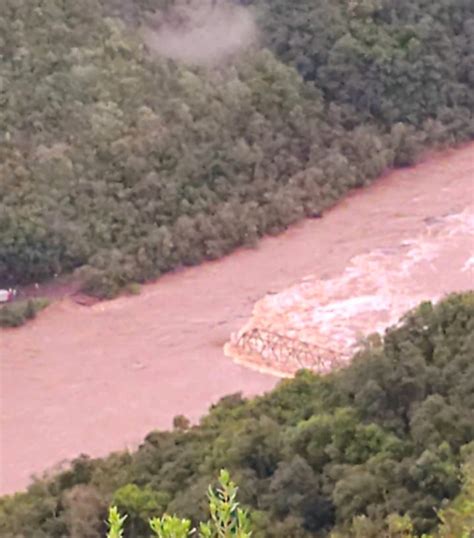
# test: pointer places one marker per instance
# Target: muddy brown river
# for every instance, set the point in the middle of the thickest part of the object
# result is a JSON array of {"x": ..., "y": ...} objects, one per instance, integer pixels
[{"x": 95, "y": 379}]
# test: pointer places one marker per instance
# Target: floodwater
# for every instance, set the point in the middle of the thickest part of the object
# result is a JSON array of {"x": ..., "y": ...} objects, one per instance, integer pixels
[
  {"x": 94, "y": 379},
  {"x": 374, "y": 291}
]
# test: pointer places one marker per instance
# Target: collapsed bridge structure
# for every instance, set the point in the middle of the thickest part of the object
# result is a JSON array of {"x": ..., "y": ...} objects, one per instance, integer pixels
[{"x": 280, "y": 354}]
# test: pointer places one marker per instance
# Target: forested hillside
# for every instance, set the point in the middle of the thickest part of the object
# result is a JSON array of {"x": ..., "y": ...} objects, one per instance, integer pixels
[
  {"x": 124, "y": 164},
  {"x": 386, "y": 436},
  {"x": 391, "y": 61}
]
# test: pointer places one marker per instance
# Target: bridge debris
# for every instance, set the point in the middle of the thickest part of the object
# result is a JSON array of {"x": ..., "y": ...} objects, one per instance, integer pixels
[{"x": 281, "y": 355}]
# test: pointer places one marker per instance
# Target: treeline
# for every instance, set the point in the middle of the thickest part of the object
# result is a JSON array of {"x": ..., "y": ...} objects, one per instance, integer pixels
[
  {"x": 390, "y": 61},
  {"x": 125, "y": 165},
  {"x": 346, "y": 454}
]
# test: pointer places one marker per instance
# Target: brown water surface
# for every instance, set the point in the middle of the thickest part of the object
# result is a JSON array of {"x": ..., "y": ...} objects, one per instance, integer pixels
[
  {"x": 95, "y": 379},
  {"x": 320, "y": 323}
]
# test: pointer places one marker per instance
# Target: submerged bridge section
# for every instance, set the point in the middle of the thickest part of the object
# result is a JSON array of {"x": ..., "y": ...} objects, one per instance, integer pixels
[{"x": 283, "y": 354}]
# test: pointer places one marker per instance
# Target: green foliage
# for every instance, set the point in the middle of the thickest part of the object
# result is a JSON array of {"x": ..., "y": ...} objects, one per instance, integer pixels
[
  {"x": 170, "y": 527},
  {"x": 140, "y": 504},
  {"x": 227, "y": 519},
  {"x": 458, "y": 519},
  {"x": 364, "y": 450},
  {"x": 123, "y": 165},
  {"x": 407, "y": 61},
  {"x": 133, "y": 288},
  {"x": 115, "y": 523},
  {"x": 19, "y": 312}
]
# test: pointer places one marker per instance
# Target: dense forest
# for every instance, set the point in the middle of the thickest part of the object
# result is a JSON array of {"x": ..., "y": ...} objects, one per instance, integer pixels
[
  {"x": 345, "y": 455},
  {"x": 121, "y": 164}
]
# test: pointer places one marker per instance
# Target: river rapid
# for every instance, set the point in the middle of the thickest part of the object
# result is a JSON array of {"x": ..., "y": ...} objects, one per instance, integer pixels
[{"x": 95, "y": 379}]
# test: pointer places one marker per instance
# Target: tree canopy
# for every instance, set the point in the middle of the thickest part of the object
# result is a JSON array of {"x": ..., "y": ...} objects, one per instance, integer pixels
[{"x": 122, "y": 164}]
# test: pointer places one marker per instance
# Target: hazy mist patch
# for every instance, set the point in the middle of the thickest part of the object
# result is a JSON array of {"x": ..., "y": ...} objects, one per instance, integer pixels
[{"x": 203, "y": 33}]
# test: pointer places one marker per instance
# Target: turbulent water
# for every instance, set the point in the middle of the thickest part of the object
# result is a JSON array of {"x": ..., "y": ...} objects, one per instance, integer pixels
[
  {"x": 374, "y": 290},
  {"x": 94, "y": 379}
]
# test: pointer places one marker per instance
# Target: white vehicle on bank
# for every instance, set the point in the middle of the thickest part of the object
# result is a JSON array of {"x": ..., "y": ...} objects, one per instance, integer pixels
[{"x": 7, "y": 296}]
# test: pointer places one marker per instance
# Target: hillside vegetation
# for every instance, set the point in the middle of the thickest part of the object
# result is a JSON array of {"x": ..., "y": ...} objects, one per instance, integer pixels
[
  {"x": 123, "y": 164},
  {"x": 230, "y": 521},
  {"x": 385, "y": 437},
  {"x": 390, "y": 61}
]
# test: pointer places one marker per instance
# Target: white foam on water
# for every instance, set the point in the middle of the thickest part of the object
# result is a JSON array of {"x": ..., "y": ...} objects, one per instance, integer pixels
[
  {"x": 469, "y": 265},
  {"x": 372, "y": 293}
]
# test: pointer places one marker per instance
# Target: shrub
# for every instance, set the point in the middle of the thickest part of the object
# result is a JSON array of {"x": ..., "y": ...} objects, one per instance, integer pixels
[
  {"x": 19, "y": 312},
  {"x": 228, "y": 520}
]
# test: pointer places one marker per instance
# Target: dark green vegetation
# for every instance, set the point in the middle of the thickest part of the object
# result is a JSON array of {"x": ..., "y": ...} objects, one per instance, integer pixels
[
  {"x": 386, "y": 436},
  {"x": 389, "y": 61},
  {"x": 126, "y": 165},
  {"x": 230, "y": 521},
  {"x": 227, "y": 519},
  {"x": 19, "y": 312}
]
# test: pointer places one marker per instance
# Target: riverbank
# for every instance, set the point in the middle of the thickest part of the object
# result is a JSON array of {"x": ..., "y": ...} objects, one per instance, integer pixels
[{"x": 95, "y": 379}]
